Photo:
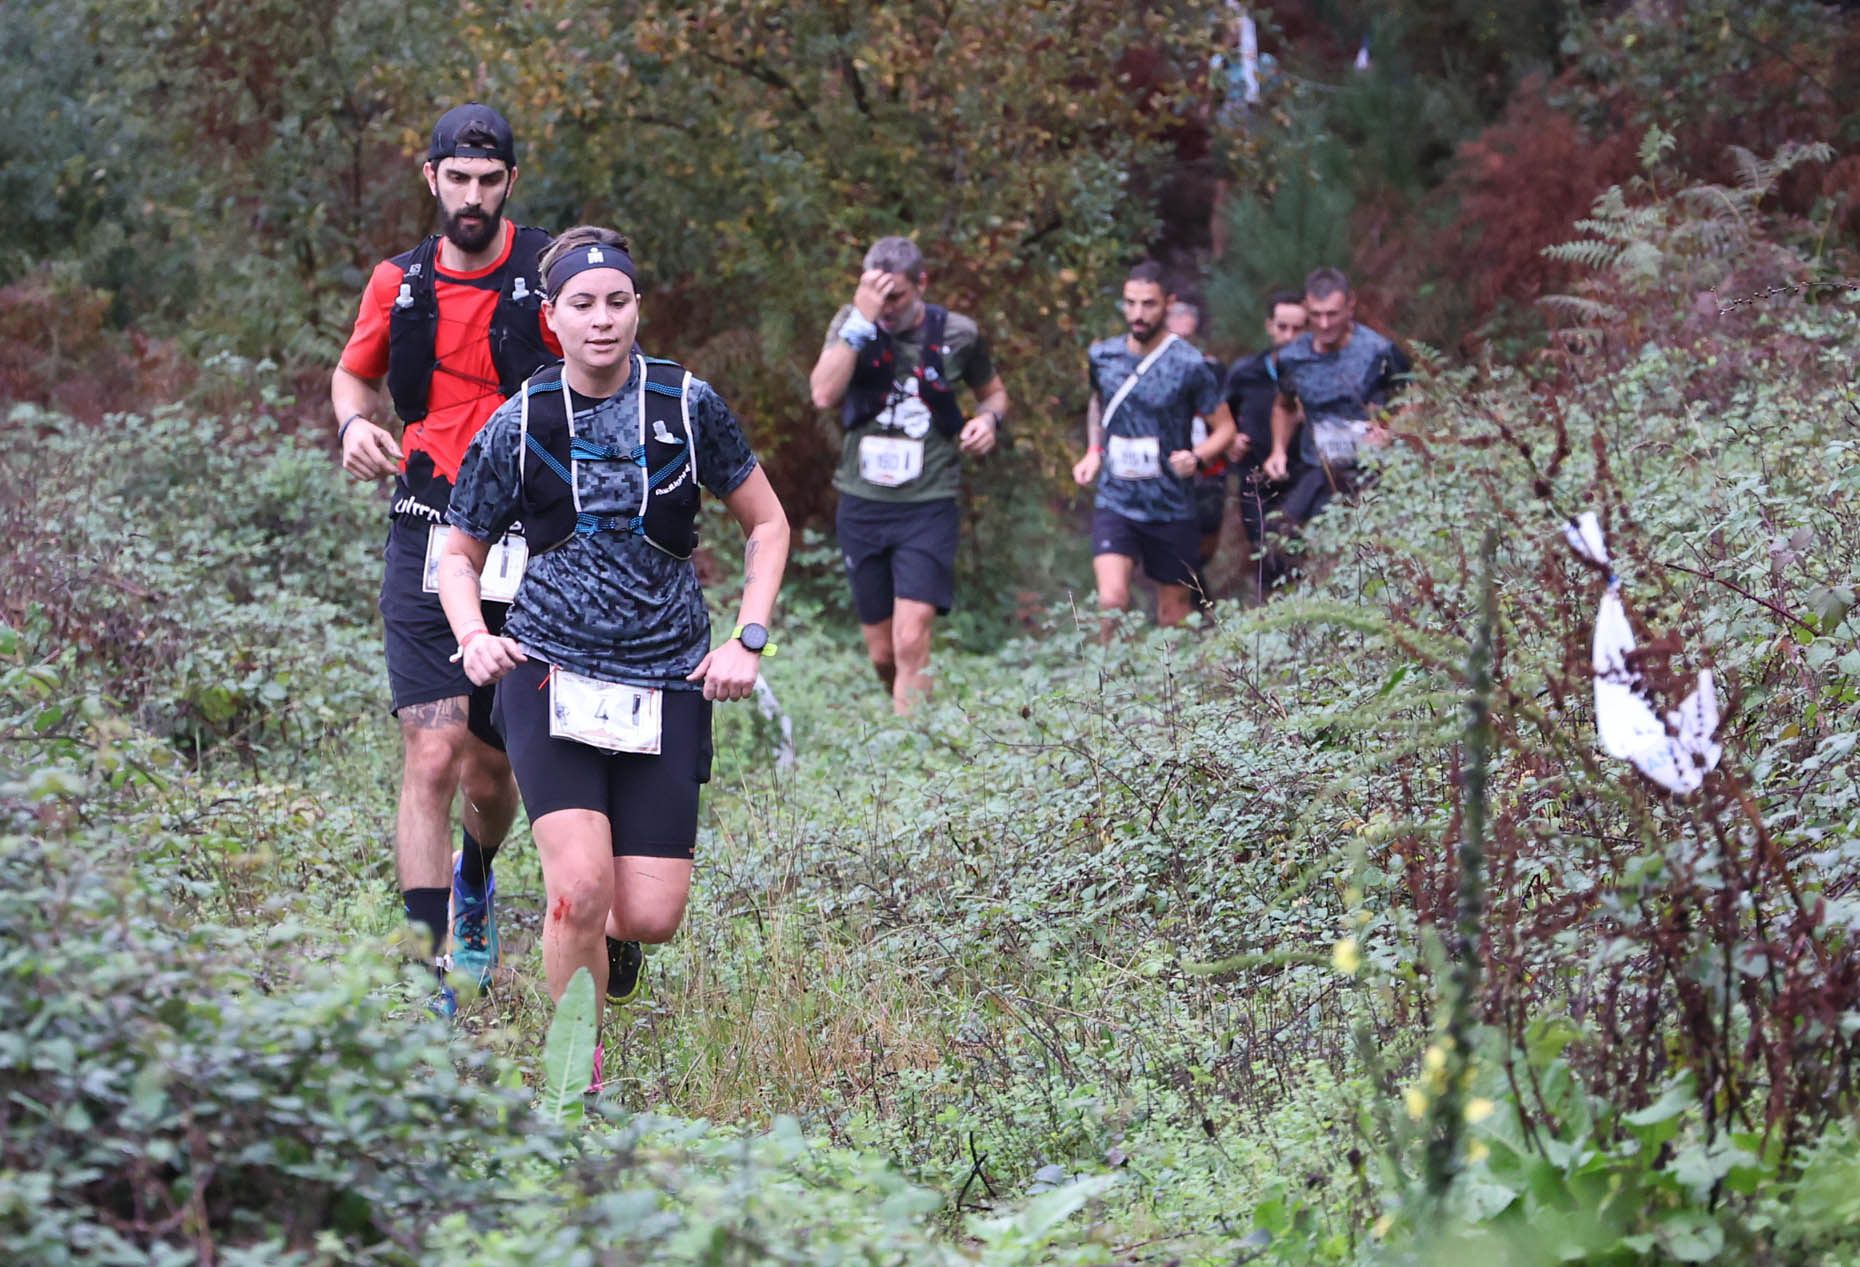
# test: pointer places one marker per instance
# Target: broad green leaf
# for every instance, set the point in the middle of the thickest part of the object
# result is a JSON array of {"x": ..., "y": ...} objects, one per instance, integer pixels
[{"x": 568, "y": 1052}]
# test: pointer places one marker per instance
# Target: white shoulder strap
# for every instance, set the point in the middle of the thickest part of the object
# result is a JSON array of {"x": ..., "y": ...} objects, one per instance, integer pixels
[
  {"x": 684, "y": 409},
  {"x": 1143, "y": 367},
  {"x": 523, "y": 430}
]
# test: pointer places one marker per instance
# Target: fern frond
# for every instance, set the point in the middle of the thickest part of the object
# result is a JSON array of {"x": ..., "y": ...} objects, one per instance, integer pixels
[
  {"x": 1584, "y": 310},
  {"x": 1588, "y": 252}
]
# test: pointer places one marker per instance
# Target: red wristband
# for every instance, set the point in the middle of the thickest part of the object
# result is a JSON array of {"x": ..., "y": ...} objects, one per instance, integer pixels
[{"x": 469, "y": 635}]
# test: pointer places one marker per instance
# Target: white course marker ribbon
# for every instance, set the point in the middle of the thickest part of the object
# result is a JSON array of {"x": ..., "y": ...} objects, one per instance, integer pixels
[{"x": 1675, "y": 750}]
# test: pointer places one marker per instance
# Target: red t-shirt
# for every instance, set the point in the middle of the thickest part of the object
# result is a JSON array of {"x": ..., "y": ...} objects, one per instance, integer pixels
[{"x": 465, "y": 390}]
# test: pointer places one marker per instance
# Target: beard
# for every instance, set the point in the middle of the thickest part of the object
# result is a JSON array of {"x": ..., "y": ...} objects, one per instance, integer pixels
[
  {"x": 471, "y": 235},
  {"x": 1142, "y": 331}
]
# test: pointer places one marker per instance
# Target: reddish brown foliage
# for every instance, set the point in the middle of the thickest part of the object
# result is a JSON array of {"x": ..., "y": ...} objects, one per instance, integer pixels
[
  {"x": 1443, "y": 269},
  {"x": 57, "y": 348}
]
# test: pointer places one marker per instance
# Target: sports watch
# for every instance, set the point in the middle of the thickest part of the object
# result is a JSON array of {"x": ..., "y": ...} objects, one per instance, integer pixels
[{"x": 753, "y": 637}]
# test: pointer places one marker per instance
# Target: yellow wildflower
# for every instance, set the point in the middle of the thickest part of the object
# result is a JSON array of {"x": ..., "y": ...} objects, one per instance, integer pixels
[{"x": 1345, "y": 957}]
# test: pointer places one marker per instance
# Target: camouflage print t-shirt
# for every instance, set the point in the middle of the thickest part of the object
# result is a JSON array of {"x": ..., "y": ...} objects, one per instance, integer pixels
[
  {"x": 966, "y": 360},
  {"x": 608, "y": 605},
  {"x": 1340, "y": 390},
  {"x": 1155, "y": 418}
]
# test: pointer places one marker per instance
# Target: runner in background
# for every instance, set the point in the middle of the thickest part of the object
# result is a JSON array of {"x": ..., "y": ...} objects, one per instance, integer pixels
[
  {"x": 1252, "y": 386},
  {"x": 449, "y": 328},
  {"x": 1146, "y": 387},
  {"x": 1335, "y": 384},
  {"x": 1184, "y": 321},
  {"x": 890, "y": 365}
]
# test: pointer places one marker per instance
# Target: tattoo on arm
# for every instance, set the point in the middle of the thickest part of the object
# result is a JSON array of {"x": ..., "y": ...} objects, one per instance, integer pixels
[
  {"x": 461, "y": 566},
  {"x": 749, "y": 561},
  {"x": 436, "y": 714}
]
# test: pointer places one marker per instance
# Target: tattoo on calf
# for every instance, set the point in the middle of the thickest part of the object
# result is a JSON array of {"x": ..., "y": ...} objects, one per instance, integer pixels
[{"x": 434, "y": 715}]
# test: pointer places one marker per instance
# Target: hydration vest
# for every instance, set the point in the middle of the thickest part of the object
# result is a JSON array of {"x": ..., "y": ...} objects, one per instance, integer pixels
[
  {"x": 516, "y": 339},
  {"x": 874, "y": 379},
  {"x": 549, "y": 454}
]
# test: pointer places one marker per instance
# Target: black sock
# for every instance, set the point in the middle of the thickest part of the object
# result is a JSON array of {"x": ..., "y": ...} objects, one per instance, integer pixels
[
  {"x": 475, "y": 860},
  {"x": 428, "y": 907}
]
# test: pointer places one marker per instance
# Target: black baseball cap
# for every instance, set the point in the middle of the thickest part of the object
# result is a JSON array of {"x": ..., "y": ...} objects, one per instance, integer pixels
[{"x": 472, "y": 131}]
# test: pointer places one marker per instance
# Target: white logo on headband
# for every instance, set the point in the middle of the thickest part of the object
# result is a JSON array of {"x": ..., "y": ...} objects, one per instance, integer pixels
[{"x": 595, "y": 256}]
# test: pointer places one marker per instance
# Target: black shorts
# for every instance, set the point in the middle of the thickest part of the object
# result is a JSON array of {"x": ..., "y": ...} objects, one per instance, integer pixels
[
  {"x": 899, "y": 550},
  {"x": 1167, "y": 550},
  {"x": 1210, "y": 503},
  {"x": 420, "y": 644},
  {"x": 651, "y": 802}
]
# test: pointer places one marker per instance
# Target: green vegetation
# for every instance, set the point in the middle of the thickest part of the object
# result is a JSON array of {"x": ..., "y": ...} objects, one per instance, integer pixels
[
  {"x": 1138, "y": 953},
  {"x": 1318, "y": 933}
]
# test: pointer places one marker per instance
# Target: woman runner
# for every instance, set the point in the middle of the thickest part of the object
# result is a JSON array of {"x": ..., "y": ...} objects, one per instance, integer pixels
[{"x": 605, "y": 671}]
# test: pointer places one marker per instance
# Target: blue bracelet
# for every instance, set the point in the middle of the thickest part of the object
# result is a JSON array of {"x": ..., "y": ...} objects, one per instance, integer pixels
[{"x": 343, "y": 430}]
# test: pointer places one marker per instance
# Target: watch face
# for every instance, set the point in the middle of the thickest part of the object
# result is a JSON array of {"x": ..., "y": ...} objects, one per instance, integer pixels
[{"x": 754, "y": 637}]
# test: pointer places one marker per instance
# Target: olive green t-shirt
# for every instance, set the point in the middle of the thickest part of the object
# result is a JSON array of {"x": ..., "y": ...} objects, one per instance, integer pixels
[{"x": 906, "y": 419}]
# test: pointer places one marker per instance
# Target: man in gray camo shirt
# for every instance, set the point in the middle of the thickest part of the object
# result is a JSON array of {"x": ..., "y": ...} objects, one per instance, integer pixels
[
  {"x": 1336, "y": 382},
  {"x": 1147, "y": 387}
]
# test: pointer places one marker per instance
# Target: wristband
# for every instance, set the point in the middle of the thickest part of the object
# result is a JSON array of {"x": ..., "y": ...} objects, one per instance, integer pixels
[
  {"x": 857, "y": 330},
  {"x": 996, "y": 415},
  {"x": 464, "y": 642},
  {"x": 1094, "y": 449},
  {"x": 348, "y": 422}
]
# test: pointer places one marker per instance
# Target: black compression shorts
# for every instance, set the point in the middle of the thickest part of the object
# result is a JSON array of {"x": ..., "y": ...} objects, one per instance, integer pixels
[{"x": 651, "y": 802}]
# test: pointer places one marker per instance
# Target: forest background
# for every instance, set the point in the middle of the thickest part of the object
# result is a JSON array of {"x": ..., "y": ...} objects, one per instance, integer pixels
[{"x": 1319, "y": 933}]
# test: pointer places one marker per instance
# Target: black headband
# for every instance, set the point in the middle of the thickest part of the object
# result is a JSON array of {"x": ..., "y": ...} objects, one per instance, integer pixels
[{"x": 583, "y": 258}]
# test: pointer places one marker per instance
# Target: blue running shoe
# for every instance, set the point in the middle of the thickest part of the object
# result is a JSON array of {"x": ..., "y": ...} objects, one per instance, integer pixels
[
  {"x": 444, "y": 1001},
  {"x": 474, "y": 927}
]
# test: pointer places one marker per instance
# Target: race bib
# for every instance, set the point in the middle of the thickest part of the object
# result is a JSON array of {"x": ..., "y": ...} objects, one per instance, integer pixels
[
  {"x": 503, "y": 568},
  {"x": 889, "y": 461},
  {"x": 604, "y": 715},
  {"x": 1337, "y": 439},
  {"x": 1134, "y": 457}
]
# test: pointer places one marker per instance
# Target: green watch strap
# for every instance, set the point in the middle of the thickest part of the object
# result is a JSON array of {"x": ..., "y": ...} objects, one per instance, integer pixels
[{"x": 768, "y": 648}]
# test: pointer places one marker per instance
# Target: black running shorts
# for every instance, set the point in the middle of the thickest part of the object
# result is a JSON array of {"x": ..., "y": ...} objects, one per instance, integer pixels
[
  {"x": 1210, "y": 503},
  {"x": 651, "y": 802},
  {"x": 899, "y": 550},
  {"x": 420, "y": 644},
  {"x": 1167, "y": 550}
]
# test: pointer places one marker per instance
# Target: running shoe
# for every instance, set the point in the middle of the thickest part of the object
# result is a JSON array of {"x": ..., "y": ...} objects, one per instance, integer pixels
[
  {"x": 444, "y": 1001},
  {"x": 626, "y": 962},
  {"x": 594, "y": 1083},
  {"x": 474, "y": 927}
]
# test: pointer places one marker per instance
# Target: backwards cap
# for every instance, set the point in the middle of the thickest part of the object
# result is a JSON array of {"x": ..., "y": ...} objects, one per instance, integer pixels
[{"x": 472, "y": 131}]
